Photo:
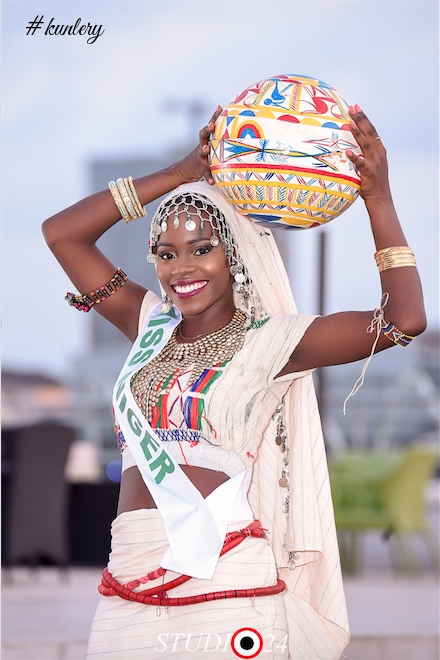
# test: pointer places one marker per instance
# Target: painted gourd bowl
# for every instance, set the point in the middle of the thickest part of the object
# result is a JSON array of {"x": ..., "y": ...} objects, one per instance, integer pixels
[{"x": 278, "y": 153}]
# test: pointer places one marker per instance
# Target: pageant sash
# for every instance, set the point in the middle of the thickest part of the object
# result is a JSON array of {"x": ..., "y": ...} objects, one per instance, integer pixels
[
  {"x": 194, "y": 535},
  {"x": 227, "y": 503}
]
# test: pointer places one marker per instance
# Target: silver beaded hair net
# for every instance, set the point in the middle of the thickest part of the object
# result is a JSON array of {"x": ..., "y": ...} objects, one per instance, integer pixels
[{"x": 192, "y": 204}]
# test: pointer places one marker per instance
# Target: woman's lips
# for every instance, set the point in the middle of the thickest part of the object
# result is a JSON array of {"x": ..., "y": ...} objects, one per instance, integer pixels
[{"x": 187, "y": 289}]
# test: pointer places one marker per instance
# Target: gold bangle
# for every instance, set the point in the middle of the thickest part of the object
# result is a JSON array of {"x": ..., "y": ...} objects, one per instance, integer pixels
[
  {"x": 119, "y": 201},
  {"x": 126, "y": 199},
  {"x": 396, "y": 263},
  {"x": 132, "y": 200},
  {"x": 402, "y": 249},
  {"x": 395, "y": 257},
  {"x": 130, "y": 186}
]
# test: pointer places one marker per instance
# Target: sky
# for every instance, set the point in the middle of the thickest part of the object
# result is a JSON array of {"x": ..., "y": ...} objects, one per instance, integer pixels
[{"x": 67, "y": 102}]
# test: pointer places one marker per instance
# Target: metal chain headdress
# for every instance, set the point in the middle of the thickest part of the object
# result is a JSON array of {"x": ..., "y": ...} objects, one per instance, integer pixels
[{"x": 192, "y": 205}]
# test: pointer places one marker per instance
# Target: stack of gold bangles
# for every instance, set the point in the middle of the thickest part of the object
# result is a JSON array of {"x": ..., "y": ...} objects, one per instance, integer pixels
[
  {"x": 394, "y": 257},
  {"x": 126, "y": 199}
]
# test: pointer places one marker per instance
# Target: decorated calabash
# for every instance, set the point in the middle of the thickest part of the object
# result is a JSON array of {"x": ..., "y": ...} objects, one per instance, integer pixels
[{"x": 278, "y": 153}]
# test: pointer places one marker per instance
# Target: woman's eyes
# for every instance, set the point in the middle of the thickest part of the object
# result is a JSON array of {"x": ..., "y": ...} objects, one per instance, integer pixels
[
  {"x": 199, "y": 251},
  {"x": 166, "y": 256},
  {"x": 203, "y": 249}
]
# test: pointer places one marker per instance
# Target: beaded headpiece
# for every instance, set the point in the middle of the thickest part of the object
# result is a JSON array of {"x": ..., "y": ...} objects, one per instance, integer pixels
[{"x": 190, "y": 204}]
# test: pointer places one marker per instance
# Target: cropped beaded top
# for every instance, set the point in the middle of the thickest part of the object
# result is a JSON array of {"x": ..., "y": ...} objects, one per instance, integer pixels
[
  {"x": 216, "y": 419},
  {"x": 180, "y": 421},
  {"x": 176, "y": 410}
]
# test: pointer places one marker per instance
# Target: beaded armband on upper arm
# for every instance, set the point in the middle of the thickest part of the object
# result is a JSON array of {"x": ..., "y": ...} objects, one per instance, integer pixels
[{"x": 85, "y": 303}]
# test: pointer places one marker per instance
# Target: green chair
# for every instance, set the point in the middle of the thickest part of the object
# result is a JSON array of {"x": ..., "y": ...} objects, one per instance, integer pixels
[{"x": 384, "y": 491}]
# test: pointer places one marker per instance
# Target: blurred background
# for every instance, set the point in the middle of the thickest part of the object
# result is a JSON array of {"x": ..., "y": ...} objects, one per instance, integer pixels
[{"x": 77, "y": 114}]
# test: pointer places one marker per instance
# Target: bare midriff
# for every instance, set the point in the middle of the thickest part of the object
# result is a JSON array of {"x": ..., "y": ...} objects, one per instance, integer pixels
[{"x": 135, "y": 495}]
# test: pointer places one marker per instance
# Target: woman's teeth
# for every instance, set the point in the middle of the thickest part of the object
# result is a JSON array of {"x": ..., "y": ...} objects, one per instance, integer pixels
[{"x": 189, "y": 287}]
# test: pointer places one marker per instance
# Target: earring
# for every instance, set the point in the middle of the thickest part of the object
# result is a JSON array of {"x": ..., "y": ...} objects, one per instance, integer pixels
[{"x": 166, "y": 304}]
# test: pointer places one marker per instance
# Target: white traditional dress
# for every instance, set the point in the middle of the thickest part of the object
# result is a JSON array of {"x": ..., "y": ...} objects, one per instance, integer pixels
[{"x": 225, "y": 421}]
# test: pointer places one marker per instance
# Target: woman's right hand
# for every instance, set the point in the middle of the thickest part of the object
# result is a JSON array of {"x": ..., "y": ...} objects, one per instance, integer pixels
[{"x": 196, "y": 164}]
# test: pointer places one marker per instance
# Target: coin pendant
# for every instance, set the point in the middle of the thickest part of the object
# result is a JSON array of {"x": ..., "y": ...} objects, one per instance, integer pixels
[{"x": 190, "y": 225}]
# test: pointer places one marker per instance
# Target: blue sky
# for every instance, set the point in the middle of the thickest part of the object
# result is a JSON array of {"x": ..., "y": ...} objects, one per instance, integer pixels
[{"x": 66, "y": 102}]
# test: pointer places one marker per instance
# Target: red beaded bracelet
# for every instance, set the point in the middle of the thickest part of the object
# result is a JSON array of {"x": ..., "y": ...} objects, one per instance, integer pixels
[{"x": 85, "y": 302}]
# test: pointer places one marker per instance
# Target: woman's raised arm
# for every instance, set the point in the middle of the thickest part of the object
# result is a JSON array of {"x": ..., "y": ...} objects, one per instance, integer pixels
[
  {"x": 342, "y": 337},
  {"x": 72, "y": 233}
]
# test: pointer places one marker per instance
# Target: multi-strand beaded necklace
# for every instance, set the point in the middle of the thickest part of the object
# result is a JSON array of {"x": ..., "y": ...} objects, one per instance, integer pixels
[{"x": 217, "y": 347}]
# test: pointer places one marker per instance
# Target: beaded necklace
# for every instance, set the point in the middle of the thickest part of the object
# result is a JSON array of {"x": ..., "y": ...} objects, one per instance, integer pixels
[{"x": 158, "y": 376}]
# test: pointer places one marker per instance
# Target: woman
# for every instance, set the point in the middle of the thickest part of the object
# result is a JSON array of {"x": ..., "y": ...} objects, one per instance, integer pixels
[{"x": 217, "y": 419}]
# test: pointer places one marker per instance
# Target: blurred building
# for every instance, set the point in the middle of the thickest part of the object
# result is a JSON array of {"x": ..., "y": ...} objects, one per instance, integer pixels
[
  {"x": 29, "y": 398},
  {"x": 32, "y": 399},
  {"x": 397, "y": 404}
]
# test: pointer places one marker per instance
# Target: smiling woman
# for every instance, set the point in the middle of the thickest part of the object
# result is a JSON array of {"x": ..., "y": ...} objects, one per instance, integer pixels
[
  {"x": 194, "y": 273},
  {"x": 225, "y": 527}
]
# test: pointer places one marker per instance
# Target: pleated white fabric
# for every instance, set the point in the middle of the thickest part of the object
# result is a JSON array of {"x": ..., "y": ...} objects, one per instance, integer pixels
[{"x": 125, "y": 630}]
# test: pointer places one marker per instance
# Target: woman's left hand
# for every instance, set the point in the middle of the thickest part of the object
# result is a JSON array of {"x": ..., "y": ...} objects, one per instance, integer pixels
[
  {"x": 341, "y": 338},
  {"x": 196, "y": 164},
  {"x": 372, "y": 164}
]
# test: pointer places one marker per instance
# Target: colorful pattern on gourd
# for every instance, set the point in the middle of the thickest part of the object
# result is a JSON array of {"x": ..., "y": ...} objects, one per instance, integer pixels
[{"x": 278, "y": 153}]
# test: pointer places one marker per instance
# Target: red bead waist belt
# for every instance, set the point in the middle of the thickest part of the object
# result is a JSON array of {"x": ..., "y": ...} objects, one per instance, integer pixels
[{"x": 159, "y": 595}]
